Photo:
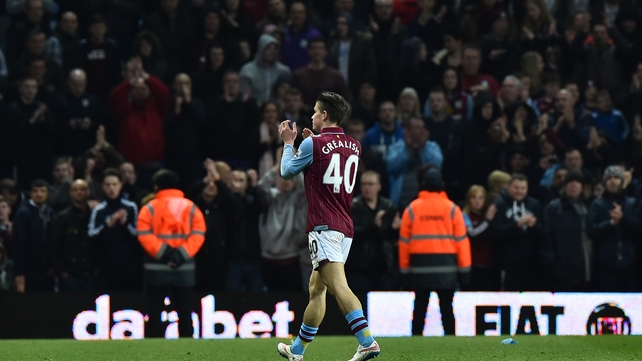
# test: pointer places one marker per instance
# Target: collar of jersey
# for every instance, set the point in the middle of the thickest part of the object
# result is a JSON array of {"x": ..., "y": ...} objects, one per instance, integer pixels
[{"x": 332, "y": 130}]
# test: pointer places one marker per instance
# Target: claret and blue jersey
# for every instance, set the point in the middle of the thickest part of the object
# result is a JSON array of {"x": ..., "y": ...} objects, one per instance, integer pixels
[{"x": 329, "y": 161}]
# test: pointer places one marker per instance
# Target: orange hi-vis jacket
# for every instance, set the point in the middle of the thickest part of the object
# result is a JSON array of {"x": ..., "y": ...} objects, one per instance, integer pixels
[
  {"x": 433, "y": 242},
  {"x": 170, "y": 220}
]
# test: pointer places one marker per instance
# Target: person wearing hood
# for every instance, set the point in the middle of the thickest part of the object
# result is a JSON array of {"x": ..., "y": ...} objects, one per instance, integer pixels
[
  {"x": 567, "y": 251},
  {"x": 259, "y": 75},
  {"x": 613, "y": 223},
  {"x": 517, "y": 235}
]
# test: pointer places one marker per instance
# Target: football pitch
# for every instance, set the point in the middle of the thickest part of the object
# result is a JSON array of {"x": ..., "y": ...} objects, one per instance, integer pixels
[{"x": 326, "y": 348}]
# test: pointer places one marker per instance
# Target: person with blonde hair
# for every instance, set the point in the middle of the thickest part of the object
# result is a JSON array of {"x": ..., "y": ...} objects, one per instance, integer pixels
[
  {"x": 408, "y": 104},
  {"x": 497, "y": 182},
  {"x": 533, "y": 65},
  {"x": 484, "y": 276}
]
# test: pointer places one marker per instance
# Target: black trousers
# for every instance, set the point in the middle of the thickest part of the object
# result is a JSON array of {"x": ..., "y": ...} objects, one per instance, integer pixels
[
  {"x": 422, "y": 296},
  {"x": 179, "y": 298}
]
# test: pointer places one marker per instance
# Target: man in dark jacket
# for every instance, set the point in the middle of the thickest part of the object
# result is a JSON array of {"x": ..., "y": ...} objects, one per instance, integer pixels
[
  {"x": 376, "y": 226},
  {"x": 32, "y": 267},
  {"x": 78, "y": 115},
  {"x": 566, "y": 249},
  {"x": 233, "y": 125},
  {"x": 71, "y": 249},
  {"x": 214, "y": 199},
  {"x": 113, "y": 227},
  {"x": 244, "y": 249},
  {"x": 517, "y": 234},
  {"x": 613, "y": 225},
  {"x": 183, "y": 128}
]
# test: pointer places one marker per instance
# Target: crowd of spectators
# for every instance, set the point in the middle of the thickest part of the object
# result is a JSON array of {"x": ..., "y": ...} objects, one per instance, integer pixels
[{"x": 530, "y": 108}]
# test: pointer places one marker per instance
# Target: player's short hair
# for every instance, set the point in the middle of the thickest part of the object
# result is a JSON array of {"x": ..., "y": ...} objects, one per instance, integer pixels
[
  {"x": 112, "y": 172},
  {"x": 335, "y": 105},
  {"x": 165, "y": 179},
  {"x": 517, "y": 177},
  {"x": 373, "y": 174}
]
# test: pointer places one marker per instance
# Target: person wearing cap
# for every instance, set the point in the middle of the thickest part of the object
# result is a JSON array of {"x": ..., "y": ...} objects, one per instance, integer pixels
[
  {"x": 566, "y": 248},
  {"x": 434, "y": 249},
  {"x": 613, "y": 223},
  {"x": 517, "y": 233}
]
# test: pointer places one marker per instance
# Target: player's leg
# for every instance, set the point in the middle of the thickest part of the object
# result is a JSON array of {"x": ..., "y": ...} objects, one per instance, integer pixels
[
  {"x": 313, "y": 315},
  {"x": 333, "y": 275},
  {"x": 337, "y": 247},
  {"x": 315, "y": 310}
]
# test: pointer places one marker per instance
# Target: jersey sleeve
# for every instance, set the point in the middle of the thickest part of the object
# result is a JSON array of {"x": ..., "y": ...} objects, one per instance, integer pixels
[{"x": 293, "y": 164}]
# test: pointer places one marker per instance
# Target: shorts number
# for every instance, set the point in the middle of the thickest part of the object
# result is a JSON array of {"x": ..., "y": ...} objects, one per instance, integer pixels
[
  {"x": 334, "y": 176},
  {"x": 313, "y": 247}
]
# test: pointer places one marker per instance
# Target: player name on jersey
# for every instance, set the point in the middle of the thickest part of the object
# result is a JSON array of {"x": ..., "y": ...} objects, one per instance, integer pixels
[{"x": 334, "y": 144}]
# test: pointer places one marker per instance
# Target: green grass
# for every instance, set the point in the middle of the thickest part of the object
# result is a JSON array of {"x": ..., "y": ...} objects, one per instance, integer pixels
[{"x": 325, "y": 348}]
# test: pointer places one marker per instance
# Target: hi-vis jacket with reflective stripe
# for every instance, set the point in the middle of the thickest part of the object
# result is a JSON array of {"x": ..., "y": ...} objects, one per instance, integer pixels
[
  {"x": 170, "y": 220},
  {"x": 433, "y": 242}
]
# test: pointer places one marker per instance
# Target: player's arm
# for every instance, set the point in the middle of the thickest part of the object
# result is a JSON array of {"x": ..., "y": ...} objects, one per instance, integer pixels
[{"x": 292, "y": 164}]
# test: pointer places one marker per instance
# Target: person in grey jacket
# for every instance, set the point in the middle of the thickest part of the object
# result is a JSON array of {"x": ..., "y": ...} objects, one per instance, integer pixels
[
  {"x": 613, "y": 223},
  {"x": 259, "y": 75},
  {"x": 282, "y": 229}
]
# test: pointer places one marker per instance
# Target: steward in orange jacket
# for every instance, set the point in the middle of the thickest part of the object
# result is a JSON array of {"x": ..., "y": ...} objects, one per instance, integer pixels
[
  {"x": 171, "y": 230},
  {"x": 433, "y": 241},
  {"x": 434, "y": 250}
]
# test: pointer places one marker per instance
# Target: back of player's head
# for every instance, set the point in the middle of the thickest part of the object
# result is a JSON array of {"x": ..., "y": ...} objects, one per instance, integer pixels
[
  {"x": 165, "y": 179},
  {"x": 335, "y": 105}
]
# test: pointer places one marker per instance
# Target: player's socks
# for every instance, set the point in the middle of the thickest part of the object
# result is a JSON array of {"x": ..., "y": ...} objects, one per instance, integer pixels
[
  {"x": 359, "y": 327},
  {"x": 306, "y": 335}
]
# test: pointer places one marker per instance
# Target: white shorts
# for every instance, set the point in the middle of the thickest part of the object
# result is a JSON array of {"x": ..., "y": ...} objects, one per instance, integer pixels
[{"x": 328, "y": 246}]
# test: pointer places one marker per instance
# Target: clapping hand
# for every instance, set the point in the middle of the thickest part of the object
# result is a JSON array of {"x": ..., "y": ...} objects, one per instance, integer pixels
[
  {"x": 616, "y": 214},
  {"x": 307, "y": 133},
  {"x": 288, "y": 135}
]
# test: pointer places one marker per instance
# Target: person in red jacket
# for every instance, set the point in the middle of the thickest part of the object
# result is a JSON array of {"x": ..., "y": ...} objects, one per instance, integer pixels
[{"x": 140, "y": 104}]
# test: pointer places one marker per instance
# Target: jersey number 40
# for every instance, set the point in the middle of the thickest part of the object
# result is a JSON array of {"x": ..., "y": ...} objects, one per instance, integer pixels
[{"x": 334, "y": 176}]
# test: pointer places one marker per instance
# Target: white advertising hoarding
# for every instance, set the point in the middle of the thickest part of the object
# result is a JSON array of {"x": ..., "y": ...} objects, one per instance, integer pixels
[{"x": 510, "y": 313}]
